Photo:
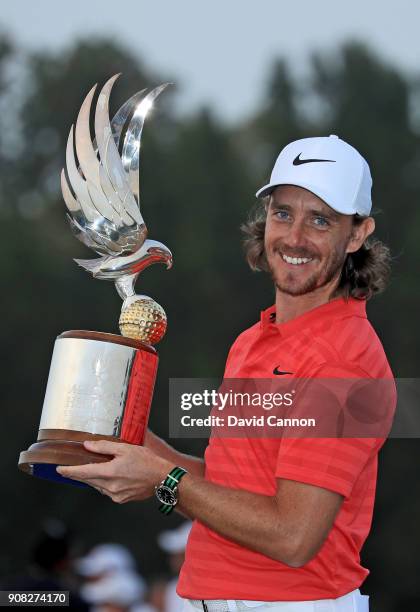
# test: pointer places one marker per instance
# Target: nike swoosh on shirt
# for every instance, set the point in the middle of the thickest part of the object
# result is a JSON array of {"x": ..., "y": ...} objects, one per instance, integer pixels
[
  {"x": 278, "y": 372},
  {"x": 297, "y": 161}
]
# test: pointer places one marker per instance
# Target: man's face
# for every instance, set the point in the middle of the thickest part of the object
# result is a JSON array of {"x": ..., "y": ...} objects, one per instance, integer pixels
[{"x": 306, "y": 241}]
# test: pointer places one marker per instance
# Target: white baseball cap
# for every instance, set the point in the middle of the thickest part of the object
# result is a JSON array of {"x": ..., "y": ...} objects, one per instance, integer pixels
[
  {"x": 175, "y": 540},
  {"x": 105, "y": 558},
  {"x": 328, "y": 167},
  {"x": 122, "y": 587}
]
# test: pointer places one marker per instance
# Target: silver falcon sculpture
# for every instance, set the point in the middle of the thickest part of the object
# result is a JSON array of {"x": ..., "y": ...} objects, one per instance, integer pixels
[{"x": 100, "y": 187}]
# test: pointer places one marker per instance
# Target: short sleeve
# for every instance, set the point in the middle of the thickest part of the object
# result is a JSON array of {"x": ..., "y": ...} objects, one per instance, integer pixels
[
  {"x": 333, "y": 463},
  {"x": 330, "y": 463}
]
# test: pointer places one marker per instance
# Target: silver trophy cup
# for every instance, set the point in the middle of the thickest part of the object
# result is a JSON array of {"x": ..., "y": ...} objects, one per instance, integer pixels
[{"x": 101, "y": 385}]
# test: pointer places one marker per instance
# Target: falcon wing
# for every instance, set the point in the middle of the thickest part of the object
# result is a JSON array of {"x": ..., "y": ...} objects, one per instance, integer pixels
[{"x": 100, "y": 191}]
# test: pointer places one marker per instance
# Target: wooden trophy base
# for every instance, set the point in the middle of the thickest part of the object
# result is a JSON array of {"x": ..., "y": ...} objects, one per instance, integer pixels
[{"x": 59, "y": 447}]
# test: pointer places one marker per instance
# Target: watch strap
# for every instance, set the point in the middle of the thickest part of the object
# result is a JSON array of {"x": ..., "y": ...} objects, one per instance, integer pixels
[
  {"x": 174, "y": 477},
  {"x": 171, "y": 481}
]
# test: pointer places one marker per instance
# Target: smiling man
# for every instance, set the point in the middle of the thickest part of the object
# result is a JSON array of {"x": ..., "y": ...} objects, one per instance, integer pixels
[
  {"x": 279, "y": 523},
  {"x": 306, "y": 244}
]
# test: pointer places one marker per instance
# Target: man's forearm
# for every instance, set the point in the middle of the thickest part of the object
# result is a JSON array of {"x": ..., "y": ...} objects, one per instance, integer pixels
[
  {"x": 289, "y": 526},
  {"x": 250, "y": 519},
  {"x": 194, "y": 465}
]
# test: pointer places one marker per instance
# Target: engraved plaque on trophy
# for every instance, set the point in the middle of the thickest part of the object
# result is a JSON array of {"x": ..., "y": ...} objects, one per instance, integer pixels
[{"x": 100, "y": 385}]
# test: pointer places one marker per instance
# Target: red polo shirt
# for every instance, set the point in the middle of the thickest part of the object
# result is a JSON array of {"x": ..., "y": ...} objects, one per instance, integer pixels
[{"x": 333, "y": 340}]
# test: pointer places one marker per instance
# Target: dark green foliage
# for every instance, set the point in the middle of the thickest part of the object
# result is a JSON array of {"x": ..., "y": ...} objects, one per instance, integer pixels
[{"x": 197, "y": 186}]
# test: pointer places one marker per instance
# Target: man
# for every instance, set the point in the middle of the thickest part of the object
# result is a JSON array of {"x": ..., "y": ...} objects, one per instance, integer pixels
[
  {"x": 280, "y": 522},
  {"x": 50, "y": 566}
]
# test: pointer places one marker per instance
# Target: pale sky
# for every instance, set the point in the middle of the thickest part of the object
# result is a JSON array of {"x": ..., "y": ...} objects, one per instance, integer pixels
[{"x": 219, "y": 52}]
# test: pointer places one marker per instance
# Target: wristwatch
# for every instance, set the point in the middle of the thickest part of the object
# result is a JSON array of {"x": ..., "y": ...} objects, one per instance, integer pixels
[{"x": 167, "y": 490}]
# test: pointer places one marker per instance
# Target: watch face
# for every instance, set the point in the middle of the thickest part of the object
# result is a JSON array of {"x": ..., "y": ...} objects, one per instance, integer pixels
[{"x": 166, "y": 495}]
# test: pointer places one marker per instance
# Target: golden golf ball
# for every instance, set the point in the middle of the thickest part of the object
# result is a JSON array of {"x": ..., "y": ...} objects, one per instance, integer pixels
[{"x": 143, "y": 319}]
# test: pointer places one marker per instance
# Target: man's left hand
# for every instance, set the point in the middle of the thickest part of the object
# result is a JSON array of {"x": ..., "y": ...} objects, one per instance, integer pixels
[{"x": 131, "y": 475}]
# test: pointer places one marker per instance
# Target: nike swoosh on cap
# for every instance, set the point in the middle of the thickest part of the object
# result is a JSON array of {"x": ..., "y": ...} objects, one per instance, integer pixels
[
  {"x": 297, "y": 161},
  {"x": 278, "y": 372}
]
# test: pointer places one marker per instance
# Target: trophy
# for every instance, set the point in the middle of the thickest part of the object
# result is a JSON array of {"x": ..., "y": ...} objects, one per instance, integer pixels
[{"x": 100, "y": 385}]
